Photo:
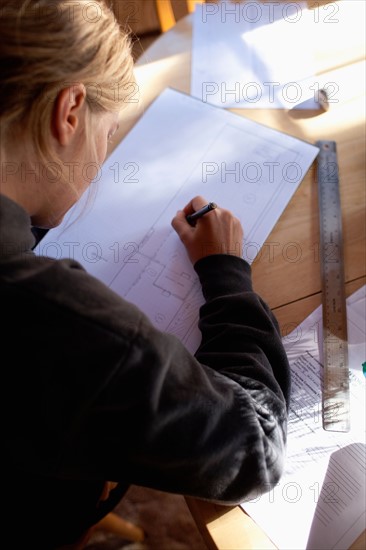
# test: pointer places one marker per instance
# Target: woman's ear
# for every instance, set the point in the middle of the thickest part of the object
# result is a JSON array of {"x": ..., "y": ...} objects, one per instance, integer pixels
[{"x": 68, "y": 110}]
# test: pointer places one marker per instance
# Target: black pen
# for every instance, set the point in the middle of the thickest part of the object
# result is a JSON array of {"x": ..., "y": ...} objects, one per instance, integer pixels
[{"x": 191, "y": 218}]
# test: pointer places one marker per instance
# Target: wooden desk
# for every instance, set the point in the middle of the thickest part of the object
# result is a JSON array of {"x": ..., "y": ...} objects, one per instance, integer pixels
[{"x": 287, "y": 272}]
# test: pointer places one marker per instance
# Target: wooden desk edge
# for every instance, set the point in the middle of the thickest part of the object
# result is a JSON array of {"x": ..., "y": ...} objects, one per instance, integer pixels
[{"x": 229, "y": 527}]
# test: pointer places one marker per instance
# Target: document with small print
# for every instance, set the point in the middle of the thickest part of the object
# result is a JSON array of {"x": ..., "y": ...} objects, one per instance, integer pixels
[{"x": 319, "y": 504}]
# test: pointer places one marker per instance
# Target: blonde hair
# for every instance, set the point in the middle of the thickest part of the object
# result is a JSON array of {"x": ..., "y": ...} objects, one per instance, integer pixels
[{"x": 47, "y": 46}]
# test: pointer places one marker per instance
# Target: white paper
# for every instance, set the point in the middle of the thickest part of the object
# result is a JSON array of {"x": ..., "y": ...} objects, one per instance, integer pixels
[
  {"x": 254, "y": 55},
  {"x": 180, "y": 148},
  {"x": 320, "y": 500}
]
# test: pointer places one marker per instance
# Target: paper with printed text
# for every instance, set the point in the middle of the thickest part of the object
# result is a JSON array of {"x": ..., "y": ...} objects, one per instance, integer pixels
[{"x": 319, "y": 504}]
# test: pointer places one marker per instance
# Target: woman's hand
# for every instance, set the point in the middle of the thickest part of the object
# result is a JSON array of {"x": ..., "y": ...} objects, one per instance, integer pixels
[{"x": 217, "y": 232}]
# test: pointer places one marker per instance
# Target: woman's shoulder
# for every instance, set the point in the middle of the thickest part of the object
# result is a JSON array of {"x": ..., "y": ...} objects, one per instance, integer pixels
[{"x": 64, "y": 287}]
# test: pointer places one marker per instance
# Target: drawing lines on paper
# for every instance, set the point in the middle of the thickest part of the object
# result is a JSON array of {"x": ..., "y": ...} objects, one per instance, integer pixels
[{"x": 159, "y": 278}]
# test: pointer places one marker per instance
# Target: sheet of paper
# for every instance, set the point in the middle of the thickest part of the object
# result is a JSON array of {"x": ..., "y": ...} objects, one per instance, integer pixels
[
  {"x": 254, "y": 55},
  {"x": 320, "y": 501},
  {"x": 180, "y": 148}
]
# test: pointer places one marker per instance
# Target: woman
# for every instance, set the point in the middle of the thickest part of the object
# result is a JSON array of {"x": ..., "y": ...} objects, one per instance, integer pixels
[{"x": 92, "y": 391}]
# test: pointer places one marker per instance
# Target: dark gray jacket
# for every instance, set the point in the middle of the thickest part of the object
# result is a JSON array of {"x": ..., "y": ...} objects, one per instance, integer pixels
[{"x": 93, "y": 392}]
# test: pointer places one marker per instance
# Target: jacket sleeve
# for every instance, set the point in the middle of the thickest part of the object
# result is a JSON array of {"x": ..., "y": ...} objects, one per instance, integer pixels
[{"x": 211, "y": 426}]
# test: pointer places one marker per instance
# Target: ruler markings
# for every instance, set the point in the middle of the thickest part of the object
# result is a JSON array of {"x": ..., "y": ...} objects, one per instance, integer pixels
[{"x": 336, "y": 402}]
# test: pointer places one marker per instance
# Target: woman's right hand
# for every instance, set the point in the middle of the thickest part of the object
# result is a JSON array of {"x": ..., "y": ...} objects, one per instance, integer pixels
[{"x": 217, "y": 232}]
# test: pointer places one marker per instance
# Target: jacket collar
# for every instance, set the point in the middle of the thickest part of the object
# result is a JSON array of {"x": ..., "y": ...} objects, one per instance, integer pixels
[{"x": 15, "y": 229}]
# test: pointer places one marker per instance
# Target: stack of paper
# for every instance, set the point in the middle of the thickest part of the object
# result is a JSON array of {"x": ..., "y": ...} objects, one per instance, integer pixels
[{"x": 320, "y": 501}]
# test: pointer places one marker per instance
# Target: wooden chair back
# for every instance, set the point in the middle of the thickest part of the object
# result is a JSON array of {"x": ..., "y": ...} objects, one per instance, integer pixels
[{"x": 166, "y": 15}]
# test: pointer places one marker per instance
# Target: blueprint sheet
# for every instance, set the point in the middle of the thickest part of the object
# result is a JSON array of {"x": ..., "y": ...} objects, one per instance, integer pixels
[{"x": 180, "y": 148}]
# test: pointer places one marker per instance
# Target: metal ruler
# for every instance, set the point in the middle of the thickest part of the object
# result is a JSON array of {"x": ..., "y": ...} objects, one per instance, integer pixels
[{"x": 336, "y": 399}]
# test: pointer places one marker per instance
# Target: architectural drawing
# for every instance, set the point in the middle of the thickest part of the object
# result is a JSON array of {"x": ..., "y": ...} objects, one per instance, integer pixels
[{"x": 125, "y": 238}]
